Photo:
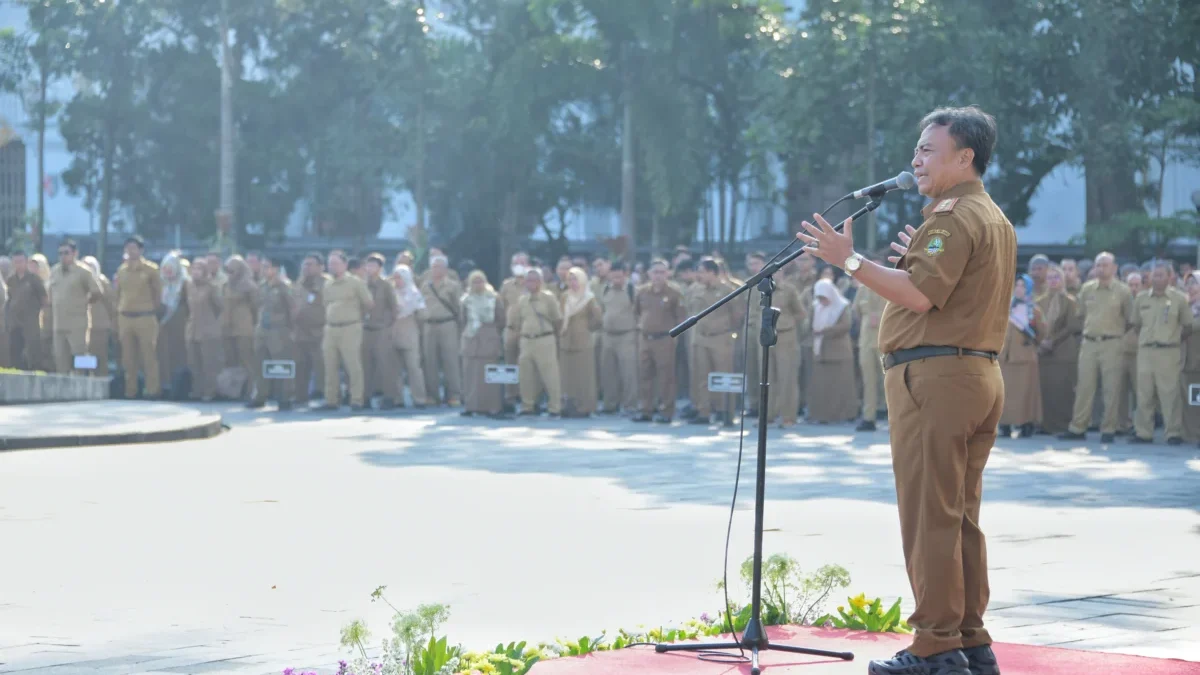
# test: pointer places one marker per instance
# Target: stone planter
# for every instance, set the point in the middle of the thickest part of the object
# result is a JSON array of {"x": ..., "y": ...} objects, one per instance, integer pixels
[{"x": 31, "y": 388}]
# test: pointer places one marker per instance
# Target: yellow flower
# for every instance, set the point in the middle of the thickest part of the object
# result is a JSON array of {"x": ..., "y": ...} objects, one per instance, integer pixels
[
  {"x": 841, "y": 608},
  {"x": 859, "y": 601}
]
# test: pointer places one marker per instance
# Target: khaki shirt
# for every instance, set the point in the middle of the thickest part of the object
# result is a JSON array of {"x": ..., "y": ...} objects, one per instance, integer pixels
[
  {"x": 240, "y": 314},
  {"x": 511, "y": 291},
  {"x": 278, "y": 306},
  {"x": 347, "y": 300},
  {"x": 310, "y": 308},
  {"x": 442, "y": 300},
  {"x": 724, "y": 322},
  {"x": 205, "y": 302},
  {"x": 791, "y": 310},
  {"x": 387, "y": 306},
  {"x": 538, "y": 315},
  {"x": 72, "y": 289},
  {"x": 658, "y": 311},
  {"x": 139, "y": 288},
  {"x": 1162, "y": 320},
  {"x": 868, "y": 306},
  {"x": 963, "y": 258},
  {"x": 102, "y": 314},
  {"x": 1106, "y": 310},
  {"x": 617, "y": 303}
]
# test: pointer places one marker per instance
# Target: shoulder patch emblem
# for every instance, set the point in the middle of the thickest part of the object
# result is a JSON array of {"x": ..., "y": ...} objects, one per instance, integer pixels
[
  {"x": 946, "y": 206},
  {"x": 935, "y": 247},
  {"x": 943, "y": 233}
]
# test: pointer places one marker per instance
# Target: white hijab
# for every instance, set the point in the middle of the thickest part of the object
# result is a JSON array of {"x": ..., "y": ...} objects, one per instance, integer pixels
[
  {"x": 410, "y": 299},
  {"x": 825, "y": 316}
]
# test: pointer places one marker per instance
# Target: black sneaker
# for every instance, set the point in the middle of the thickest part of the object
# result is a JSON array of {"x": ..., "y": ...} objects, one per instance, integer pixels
[
  {"x": 953, "y": 662},
  {"x": 642, "y": 418},
  {"x": 1138, "y": 440},
  {"x": 982, "y": 661},
  {"x": 662, "y": 419},
  {"x": 865, "y": 425},
  {"x": 1106, "y": 438},
  {"x": 1071, "y": 436}
]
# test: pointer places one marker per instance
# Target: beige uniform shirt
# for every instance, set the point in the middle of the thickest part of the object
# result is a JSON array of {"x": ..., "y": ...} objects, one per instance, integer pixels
[
  {"x": 1106, "y": 310},
  {"x": 139, "y": 288},
  {"x": 869, "y": 306},
  {"x": 310, "y": 308},
  {"x": 724, "y": 322},
  {"x": 617, "y": 304},
  {"x": 963, "y": 258},
  {"x": 72, "y": 289},
  {"x": 102, "y": 313},
  {"x": 347, "y": 300},
  {"x": 1162, "y": 320},
  {"x": 442, "y": 300},
  {"x": 538, "y": 315},
  {"x": 205, "y": 302},
  {"x": 658, "y": 311},
  {"x": 791, "y": 310},
  {"x": 278, "y": 305}
]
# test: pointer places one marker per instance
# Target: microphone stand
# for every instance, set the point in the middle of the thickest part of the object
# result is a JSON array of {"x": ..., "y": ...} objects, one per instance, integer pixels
[{"x": 755, "y": 635}]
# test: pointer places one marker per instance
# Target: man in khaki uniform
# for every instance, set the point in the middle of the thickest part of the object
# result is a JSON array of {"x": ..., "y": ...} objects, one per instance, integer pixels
[
  {"x": 101, "y": 316},
  {"x": 239, "y": 315},
  {"x": 309, "y": 325},
  {"x": 273, "y": 339},
  {"x": 945, "y": 323},
  {"x": 441, "y": 339},
  {"x": 511, "y": 291},
  {"x": 754, "y": 264},
  {"x": 73, "y": 289},
  {"x": 658, "y": 307},
  {"x": 619, "y": 359},
  {"x": 139, "y": 301},
  {"x": 347, "y": 303},
  {"x": 784, "y": 376},
  {"x": 1127, "y": 402},
  {"x": 1163, "y": 316},
  {"x": 806, "y": 280},
  {"x": 869, "y": 306},
  {"x": 693, "y": 303},
  {"x": 379, "y": 356},
  {"x": 26, "y": 298},
  {"x": 599, "y": 279},
  {"x": 539, "y": 319},
  {"x": 712, "y": 348},
  {"x": 1107, "y": 310}
]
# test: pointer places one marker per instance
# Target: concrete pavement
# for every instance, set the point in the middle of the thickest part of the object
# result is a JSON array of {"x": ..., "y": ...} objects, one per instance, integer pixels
[
  {"x": 247, "y": 552},
  {"x": 54, "y": 425}
]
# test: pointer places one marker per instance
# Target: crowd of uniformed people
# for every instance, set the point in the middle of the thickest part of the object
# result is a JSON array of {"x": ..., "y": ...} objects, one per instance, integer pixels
[{"x": 1090, "y": 345}]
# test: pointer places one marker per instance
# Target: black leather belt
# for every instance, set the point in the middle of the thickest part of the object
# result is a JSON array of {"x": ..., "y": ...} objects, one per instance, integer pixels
[
  {"x": 439, "y": 320},
  {"x": 539, "y": 335},
  {"x": 1101, "y": 338},
  {"x": 134, "y": 315},
  {"x": 917, "y": 353},
  {"x": 341, "y": 324},
  {"x": 616, "y": 333},
  {"x": 1161, "y": 345}
]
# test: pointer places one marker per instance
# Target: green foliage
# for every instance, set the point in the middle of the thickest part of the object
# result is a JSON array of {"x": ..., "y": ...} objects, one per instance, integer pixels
[
  {"x": 432, "y": 658},
  {"x": 788, "y": 595},
  {"x": 1138, "y": 235},
  {"x": 867, "y": 615}
]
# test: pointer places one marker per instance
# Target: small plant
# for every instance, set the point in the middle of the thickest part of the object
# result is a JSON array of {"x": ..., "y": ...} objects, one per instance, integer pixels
[
  {"x": 789, "y": 597},
  {"x": 867, "y": 615}
]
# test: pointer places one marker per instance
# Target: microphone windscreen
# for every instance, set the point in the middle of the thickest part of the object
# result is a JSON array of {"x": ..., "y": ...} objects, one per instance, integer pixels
[{"x": 906, "y": 181}]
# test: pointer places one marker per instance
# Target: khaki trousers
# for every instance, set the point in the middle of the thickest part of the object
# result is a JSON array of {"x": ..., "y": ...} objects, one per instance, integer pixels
[
  {"x": 25, "y": 345},
  {"x": 379, "y": 364},
  {"x": 619, "y": 370},
  {"x": 5, "y": 349},
  {"x": 713, "y": 354},
  {"x": 512, "y": 354},
  {"x": 67, "y": 345},
  {"x": 943, "y": 413},
  {"x": 753, "y": 362},
  {"x": 538, "y": 368},
  {"x": 443, "y": 359},
  {"x": 1098, "y": 360},
  {"x": 310, "y": 368},
  {"x": 204, "y": 360},
  {"x": 410, "y": 361},
  {"x": 272, "y": 346},
  {"x": 1126, "y": 402},
  {"x": 240, "y": 353},
  {"x": 1159, "y": 372},
  {"x": 139, "y": 346},
  {"x": 342, "y": 346},
  {"x": 872, "y": 377},
  {"x": 98, "y": 346},
  {"x": 784, "y": 378},
  {"x": 806, "y": 369},
  {"x": 656, "y": 361}
]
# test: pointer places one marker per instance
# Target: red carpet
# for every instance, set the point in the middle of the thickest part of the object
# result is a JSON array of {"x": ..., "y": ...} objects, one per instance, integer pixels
[{"x": 1014, "y": 659}]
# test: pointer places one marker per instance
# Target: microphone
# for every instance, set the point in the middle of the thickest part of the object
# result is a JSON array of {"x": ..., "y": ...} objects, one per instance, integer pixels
[{"x": 904, "y": 181}]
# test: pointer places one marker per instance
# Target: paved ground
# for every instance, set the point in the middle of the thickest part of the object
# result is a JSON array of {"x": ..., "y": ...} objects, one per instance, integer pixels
[
  {"x": 55, "y": 425},
  {"x": 246, "y": 553}
]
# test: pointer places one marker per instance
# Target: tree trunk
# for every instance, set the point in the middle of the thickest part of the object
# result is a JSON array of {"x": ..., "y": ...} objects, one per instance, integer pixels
[
  {"x": 721, "y": 220},
  {"x": 106, "y": 183},
  {"x": 1111, "y": 187},
  {"x": 508, "y": 228},
  {"x": 733, "y": 208},
  {"x": 228, "y": 176},
  {"x": 628, "y": 168},
  {"x": 419, "y": 193},
  {"x": 872, "y": 223}
]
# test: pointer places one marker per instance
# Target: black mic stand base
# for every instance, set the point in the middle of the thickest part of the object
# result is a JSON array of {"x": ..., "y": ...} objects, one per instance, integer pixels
[{"x": 754, "y": 638}]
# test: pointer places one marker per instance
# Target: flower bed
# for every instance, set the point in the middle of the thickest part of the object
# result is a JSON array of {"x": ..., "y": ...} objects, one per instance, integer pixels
[{"x": 789, "y": 598}]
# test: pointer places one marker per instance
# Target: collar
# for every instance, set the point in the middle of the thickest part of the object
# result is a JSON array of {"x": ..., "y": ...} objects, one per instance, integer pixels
[{"x": 969, "y": 187}]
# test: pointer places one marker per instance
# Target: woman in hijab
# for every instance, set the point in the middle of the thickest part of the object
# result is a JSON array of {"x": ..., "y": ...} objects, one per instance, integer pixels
[
  {"x": 39, "y": 265},
  {"x": 576, "y": 354},
  {"x": 239, "y": 318},
  {"x": 1019, "y": 362},
  {"x": 1191, "y": 361},
  {"x": 832, "y": 390},
  {"x": 406, "y": 333},
  {"x": 102, "y": 316},
  {"x": 172, "y": 327},
  {"x": 1058, "y": 351},
  {"x": 483, "y": 315}
]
